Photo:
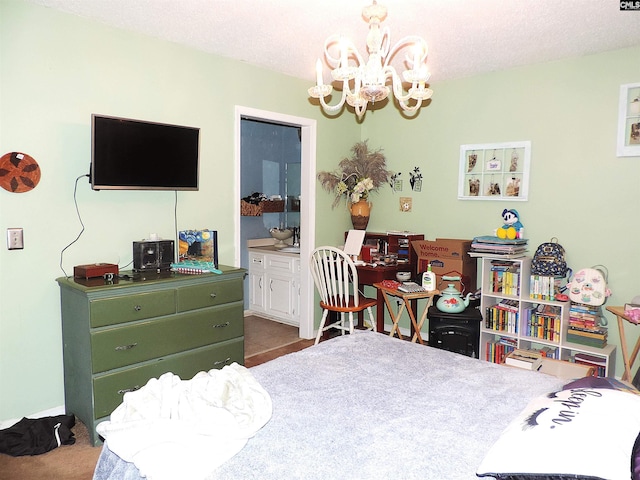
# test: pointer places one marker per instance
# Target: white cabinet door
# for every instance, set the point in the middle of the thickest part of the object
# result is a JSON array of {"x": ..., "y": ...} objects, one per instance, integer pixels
[
  {"x": 256, "y": 291},
  {"x": 257, "y": 282},
  {"x": 279, "y": 296}
]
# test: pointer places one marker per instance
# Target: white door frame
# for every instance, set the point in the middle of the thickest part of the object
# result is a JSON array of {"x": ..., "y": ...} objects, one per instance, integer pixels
[{"x": 307, "y": 204}]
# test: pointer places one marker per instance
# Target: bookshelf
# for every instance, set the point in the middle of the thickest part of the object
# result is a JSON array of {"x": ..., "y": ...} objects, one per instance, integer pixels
[{"x": 513, "y": 319}]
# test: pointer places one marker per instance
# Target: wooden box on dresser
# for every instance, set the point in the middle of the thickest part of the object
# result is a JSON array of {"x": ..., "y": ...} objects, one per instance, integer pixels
[
  {"x": 117, "y": 336},
  {"x": 506, "y": 308}
]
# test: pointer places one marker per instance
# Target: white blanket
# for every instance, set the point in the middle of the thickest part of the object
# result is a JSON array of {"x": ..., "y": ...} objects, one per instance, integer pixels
[{"x": 173, "y": 428}]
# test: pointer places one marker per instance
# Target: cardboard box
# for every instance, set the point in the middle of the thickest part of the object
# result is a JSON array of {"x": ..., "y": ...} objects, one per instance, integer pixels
[
  {"x": 448, "y": 257},
  {"x": 442, "y": 248}
]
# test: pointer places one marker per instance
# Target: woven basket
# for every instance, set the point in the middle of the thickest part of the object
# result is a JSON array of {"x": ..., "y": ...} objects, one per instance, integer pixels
[
  {"x": 272, "y": 206},
  {"x": 249, "y": 209},
  {"x": 269, "y": 206}
]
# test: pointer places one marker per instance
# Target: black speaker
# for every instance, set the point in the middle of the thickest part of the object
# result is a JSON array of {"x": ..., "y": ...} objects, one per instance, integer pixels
[{"x": 153, "y": 255}]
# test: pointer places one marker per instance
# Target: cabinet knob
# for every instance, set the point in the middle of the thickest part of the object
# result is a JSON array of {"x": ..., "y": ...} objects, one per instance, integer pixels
[
  {"x": 213, "y": 295},
  {"x": 137, "y": 308}
]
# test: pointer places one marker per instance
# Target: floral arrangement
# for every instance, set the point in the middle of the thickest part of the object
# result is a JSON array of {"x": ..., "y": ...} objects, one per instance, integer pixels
[{"x": 364, "y": 172}]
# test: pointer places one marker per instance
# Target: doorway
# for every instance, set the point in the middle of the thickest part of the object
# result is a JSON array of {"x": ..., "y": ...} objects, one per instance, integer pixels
[{"x": 307, "y": 129}]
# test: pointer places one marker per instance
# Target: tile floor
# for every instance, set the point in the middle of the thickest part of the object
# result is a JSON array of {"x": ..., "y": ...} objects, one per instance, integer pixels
[{"x": 266, "y": 339}]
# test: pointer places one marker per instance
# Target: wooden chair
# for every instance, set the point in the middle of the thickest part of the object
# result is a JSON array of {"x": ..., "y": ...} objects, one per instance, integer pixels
[{"x": 336, "y": 278}]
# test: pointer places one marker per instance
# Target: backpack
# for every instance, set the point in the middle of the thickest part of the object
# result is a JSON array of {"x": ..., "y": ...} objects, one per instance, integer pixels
[
  {"x": 548, "y": 260},
  {"x": 589, "y": 286}
]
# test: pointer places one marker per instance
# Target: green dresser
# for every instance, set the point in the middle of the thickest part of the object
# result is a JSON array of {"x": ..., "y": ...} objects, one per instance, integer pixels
[{"x": 119, "y": 335}]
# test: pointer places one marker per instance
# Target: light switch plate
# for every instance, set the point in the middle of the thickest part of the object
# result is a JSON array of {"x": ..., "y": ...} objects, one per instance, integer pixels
[{"x": 15, "y": 240}]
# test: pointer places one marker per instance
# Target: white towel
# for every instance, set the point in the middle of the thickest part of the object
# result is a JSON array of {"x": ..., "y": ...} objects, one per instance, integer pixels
[{"x": 173, "y": 428}]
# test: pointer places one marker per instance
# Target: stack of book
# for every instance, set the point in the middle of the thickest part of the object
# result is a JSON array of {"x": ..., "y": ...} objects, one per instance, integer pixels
[
  {"x": 583, "y": 326},
  {"x": 527, "y": 359},
  {"x": 505, "y": 277},
  {"x": 544, "y": 288},
  {"x": 593, "y": 337},
  {"x": 599, "y": 363},
  {"x": 497, "y": 350},
  {"x": 544, "y": 322},
  {"x": 488, "y": 244},
  {"x": 584, "y": 316},
  {"x": 503, "y": 316}
]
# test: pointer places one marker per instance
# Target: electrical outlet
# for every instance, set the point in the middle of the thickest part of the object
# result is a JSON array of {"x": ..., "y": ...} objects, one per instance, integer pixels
[{"x": 15, "y": 240}]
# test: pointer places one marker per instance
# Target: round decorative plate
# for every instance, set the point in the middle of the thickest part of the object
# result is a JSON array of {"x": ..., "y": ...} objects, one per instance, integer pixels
[{"x": 19, "y": 172}]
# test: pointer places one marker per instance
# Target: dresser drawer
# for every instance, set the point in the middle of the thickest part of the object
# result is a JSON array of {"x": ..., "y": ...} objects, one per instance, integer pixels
[
  {"x": 209, "y": 294},
  {"x": 109, "y": 389},
  {"x": 114, "y": 310},
  {"x": 121, "y": 346}
]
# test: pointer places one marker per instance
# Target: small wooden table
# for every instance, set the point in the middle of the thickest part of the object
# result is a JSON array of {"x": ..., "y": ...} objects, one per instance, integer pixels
[
  {"x": 628, "y": 360},
  {"x": 368, "y": 275},
  {"x": 407, "y": 299}
]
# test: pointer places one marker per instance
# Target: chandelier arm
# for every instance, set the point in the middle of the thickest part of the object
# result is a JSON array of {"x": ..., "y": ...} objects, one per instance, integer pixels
[
  {"x": 408, "y": 108},
  {"x": 333, "y": 108},
  {"x": 407, "y": 42},
  {"x": 331, "y": 60}
]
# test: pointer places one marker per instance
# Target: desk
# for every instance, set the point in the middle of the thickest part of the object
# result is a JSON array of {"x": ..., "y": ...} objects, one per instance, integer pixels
[
  {"x": 628, "y": 360},
  {"x": 407, "y": 300},
  {"x": 368, "y": 275}
]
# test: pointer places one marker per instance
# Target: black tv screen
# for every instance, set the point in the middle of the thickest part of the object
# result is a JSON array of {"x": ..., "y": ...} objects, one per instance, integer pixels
[{"x": 129, "y": 154}]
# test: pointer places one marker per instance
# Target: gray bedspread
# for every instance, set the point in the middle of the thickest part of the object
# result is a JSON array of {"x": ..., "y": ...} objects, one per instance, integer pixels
[{"x": 366, "y": 406}]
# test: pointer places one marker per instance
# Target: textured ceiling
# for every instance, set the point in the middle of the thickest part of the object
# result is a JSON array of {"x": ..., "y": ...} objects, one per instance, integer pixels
[{"x": 465, "y": 37}]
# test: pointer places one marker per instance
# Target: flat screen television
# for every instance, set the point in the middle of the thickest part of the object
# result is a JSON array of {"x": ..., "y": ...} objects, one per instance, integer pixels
[{"x": 129, "y": 154}]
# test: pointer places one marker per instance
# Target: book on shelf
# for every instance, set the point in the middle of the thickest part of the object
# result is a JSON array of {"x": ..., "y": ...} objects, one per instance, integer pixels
[
  {"x": 598, "y": 363},
  {"x": 597, "y": 332},
  {"x": 542, "y": 287},
  {"x": 497, "y": 350},
  {"x": 589, "y": 359},
  {"x": 503, "y": 317},
  {"x": 588, "y": 341},
  {"x": 527, "y": 359}
]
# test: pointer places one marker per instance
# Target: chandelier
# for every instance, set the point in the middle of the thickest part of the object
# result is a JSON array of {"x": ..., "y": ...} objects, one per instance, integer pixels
[{"x": 364, "y": 82}]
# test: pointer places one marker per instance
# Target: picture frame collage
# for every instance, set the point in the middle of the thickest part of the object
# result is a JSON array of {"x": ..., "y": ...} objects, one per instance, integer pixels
[{"x": 494, "y": 171}]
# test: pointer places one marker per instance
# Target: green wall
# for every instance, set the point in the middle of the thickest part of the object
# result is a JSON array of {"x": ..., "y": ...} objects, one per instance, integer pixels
[{"x": 57, "y": 69}]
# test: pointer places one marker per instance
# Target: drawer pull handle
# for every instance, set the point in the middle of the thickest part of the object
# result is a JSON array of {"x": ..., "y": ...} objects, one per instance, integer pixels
[
  {"x": 126, "y": 347},
  {"x": 137, "y": 308},
  {"x": 126, "y": 390},
  {"x": 223, "y": 362},
  {"x": 222, "y": 325},
  {"x": 213, "y": 295}
]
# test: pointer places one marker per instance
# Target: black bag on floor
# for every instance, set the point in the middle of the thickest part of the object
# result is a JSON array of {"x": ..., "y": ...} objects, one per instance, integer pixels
[{"x": 33, "y": 436}]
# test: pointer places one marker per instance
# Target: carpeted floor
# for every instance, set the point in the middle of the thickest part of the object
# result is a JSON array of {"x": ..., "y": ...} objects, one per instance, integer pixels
[{"x": 264, "y": 341}]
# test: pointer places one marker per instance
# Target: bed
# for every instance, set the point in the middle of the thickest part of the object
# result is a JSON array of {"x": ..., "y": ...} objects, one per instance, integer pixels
[{"x": 366, "y": 406}]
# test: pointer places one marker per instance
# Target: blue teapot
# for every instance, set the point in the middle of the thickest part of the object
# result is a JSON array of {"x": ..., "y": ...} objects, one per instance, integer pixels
[{"x": 451, "y": 300}]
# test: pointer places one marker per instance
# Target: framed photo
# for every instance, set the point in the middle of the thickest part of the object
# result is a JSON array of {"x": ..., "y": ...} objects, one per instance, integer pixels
[
  {"x": 494, "y": 171},
  {"x": 628, "y": 144}
]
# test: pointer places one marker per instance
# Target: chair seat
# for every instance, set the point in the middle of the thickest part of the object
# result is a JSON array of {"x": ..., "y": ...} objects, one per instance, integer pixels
[{"x": 364, "y": 303}]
